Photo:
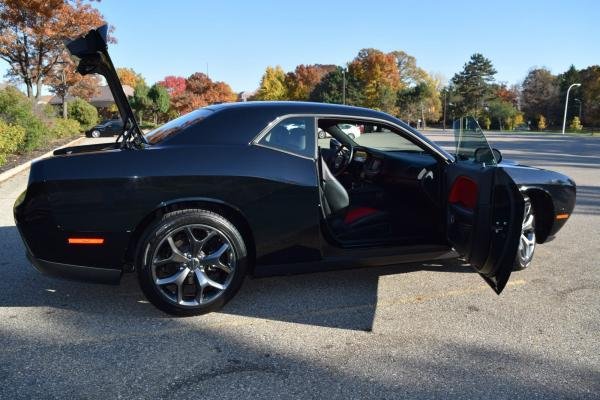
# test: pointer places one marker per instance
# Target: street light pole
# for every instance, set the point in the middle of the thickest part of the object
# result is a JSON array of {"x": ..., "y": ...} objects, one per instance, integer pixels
[{"x": 566, "y": 104}]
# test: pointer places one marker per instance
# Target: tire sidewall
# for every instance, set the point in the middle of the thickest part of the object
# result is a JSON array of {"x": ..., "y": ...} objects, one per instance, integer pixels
[{"x": 169, "y": 222}]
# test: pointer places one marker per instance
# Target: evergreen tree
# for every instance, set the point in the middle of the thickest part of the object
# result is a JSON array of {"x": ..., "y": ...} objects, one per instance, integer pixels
[{"x": 473, "y": 84}]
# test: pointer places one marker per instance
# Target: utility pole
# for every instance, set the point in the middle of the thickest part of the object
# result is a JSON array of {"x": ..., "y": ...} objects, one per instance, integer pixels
[
  {"x": 344, "y": 86},
  {"x": 566, "y": 104}
]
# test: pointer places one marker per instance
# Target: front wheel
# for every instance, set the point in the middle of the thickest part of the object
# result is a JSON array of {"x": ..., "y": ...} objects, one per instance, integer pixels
[
  {"x": 527, "y": 240},
  {"x": 191, "y": 262},
  {"x": 95, "y": 133}
]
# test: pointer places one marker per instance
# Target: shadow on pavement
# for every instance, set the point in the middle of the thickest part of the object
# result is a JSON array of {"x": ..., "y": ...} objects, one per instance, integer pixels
[{"x": 315, "y": 299}]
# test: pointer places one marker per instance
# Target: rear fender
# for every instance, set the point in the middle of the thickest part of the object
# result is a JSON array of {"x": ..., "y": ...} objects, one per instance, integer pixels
[{"x": 229, "y": 211}]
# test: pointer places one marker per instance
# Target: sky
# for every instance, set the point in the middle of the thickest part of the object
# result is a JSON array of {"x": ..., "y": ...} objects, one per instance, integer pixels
[{"x": 236, "y": 40}]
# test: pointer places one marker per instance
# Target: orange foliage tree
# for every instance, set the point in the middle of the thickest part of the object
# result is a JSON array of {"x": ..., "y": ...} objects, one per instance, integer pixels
[
  {"x": 32, "y": 33},
  {"x": 129, "y": 77},
  {"x": 303, "y": 80},
  {"x": 201, "y": 91},
  {"x": 175, "y": 85},
  {"x": 379, "y": 78}
]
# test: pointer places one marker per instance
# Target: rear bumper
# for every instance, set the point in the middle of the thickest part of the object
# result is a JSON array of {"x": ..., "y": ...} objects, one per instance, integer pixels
[{"x": 76, "y": 272}]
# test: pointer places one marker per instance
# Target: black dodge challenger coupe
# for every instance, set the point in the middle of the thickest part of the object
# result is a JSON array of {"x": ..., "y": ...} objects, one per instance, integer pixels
[{"x": 249, "y": 189}]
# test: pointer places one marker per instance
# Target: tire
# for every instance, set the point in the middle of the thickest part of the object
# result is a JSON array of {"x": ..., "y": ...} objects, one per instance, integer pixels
[
  {"x": 527, "y": 241},
  {"x": 203, "y": 274},
  {"x": 95, "y": 133},
  {"x": 321, "y": 134}
]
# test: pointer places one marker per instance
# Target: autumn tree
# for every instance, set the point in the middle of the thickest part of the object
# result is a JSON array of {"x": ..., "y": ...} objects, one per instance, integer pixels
[
  {"x": 590, "y": 95},
  {"x": 410, "y": 73},
  {"x": 473, "y": 84},
  {"x": 329, "y": 89},
  {"x": 503, "y": 112},
  {"x": 129, "y": 77},
  {"x": 421, "y": 101},
  {"x": 86, "y": 87},
  {"x": 201, "y": 91},
  {"x": 539, "y": 96},
  {"x": 175, "y": 85},
  {"x": 503, "y": 92},
  {"x": 302, "y": 81},
  {"x": 272, "y": 85},
  {"x": 32, "y": 33},
  {"x": 63, "y": 79},
  {"x": 379, "y": 78}
]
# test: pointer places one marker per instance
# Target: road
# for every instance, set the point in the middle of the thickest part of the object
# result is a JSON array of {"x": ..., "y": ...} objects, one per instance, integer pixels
[{"x": 419, "y": 331}]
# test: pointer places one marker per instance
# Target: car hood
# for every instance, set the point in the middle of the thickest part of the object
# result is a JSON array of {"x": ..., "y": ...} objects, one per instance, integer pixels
[{"x": 526, "y": 175}]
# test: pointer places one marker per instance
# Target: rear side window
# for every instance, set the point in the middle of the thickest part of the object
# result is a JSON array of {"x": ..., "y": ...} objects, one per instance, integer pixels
[
  {"x": 175, "y": 126},
  {"x": 293, "y": 135}
]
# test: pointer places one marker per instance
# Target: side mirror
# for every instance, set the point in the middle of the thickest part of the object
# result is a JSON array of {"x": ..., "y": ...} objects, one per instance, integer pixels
[
  {"x": 487, "y": 155},
  {"x": 497, "y": 155}
]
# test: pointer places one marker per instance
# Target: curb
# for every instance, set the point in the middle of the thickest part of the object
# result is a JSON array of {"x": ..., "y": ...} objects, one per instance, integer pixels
[{"x": 20, "y": 168}]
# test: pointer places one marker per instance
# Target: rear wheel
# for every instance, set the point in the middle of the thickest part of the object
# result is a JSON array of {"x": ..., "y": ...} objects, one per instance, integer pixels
[
  {"x": 191, "y": 262},
  {"x": 527, "y": 241}
]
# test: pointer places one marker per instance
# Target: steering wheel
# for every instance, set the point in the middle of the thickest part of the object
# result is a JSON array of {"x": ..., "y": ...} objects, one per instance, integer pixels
[{"x": 342, "y": 158}]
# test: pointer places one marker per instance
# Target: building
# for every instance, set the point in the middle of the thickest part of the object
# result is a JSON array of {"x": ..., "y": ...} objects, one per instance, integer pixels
[
  {"x": 246, "y": 95},
  {"x": 103, "y": 101}
]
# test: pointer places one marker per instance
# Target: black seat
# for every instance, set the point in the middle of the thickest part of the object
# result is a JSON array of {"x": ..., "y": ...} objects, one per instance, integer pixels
[{"x": 346, "y": 221}]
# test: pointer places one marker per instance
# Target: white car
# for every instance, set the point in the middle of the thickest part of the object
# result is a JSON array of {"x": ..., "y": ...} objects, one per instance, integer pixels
[{"x": 352, "y": 131}]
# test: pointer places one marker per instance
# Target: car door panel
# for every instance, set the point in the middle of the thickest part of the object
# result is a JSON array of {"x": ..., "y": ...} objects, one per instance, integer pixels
[{"x": 483, "y": 220}]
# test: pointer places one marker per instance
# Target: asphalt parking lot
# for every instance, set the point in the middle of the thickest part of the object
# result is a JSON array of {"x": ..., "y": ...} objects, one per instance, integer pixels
[{"x": 418, "y": 331}]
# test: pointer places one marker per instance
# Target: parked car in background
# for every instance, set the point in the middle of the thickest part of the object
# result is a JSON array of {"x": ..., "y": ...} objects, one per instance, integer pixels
[
  {"x": 522, "y": 127},
  {"x": 353, "y": 131},
  {"x": 109, "y": 127}
]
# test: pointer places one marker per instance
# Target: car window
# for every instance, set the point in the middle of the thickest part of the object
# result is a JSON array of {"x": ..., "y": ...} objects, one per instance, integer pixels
[
  {"x": 470, "y": 142},
  {"x": 294, "y": 135},
  {"x": 372, "y": 135},
  {"x": 175, "y": 126}
]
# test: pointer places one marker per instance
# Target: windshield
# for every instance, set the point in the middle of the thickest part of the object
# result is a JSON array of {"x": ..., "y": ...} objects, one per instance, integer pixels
[
  {"x": 175, "y": 126},
  {"x": 471, "y": 143},
  {"x": 367, "y": 134}
]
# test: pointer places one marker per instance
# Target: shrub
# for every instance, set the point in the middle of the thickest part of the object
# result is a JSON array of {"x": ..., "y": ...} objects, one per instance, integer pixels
[
  {"x": 16, "y": 109},
  {"x": 487, "y": 122},
  {"x": 576, "y": 125},
  {"x": 11, "y": 137},
  {"x": 541, "y": 123},
  {"x": 83, "y": 112},
  {"x": 148, "y": 125},
  {"x": 63, "y": 128}
]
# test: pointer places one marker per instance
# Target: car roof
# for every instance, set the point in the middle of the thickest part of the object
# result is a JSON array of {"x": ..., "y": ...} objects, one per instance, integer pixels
[
  {"x": 246, "y": 119},
  {"x": 291, "y": 107}
]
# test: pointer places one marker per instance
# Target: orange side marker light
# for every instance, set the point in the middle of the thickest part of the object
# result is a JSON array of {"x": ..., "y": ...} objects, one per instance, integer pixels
[
  {"x": 562, "y": 216},
  {"x": 76, "y": 240}
]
